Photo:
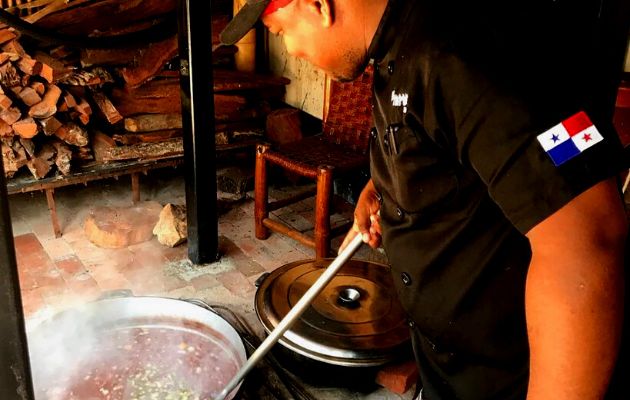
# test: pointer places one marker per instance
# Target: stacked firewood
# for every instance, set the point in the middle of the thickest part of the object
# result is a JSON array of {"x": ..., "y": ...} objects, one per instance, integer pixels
[
  {"x": 34, "y": 102},
  {"x": 62, "y": 105}
]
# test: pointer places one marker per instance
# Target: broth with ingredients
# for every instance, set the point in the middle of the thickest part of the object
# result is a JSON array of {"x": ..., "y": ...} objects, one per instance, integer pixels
[{"x": 140, "y": 363}]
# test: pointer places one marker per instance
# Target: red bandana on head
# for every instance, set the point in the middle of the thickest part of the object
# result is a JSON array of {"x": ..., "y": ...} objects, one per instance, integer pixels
[{"x": 274, "y": 5}]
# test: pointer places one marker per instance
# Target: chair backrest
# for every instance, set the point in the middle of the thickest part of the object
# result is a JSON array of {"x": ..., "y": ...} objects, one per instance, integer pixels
[{"x": 348, "y": 111}]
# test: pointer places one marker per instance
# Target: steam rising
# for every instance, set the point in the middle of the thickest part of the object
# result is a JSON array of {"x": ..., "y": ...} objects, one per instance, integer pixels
[{"x": 81, "y": 355}]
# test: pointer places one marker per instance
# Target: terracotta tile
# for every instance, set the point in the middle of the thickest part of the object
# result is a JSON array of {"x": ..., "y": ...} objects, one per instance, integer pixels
[
  {"x": 25, "y": 244},
  {"x": 106, "y": 273},
  {"x": 175, "y": 253},
  {"x": 27, "y": 280},
  {"x": 52, "y": 286},
  {"x": 173, "y": 283},
  {"x": 57, "y": 248},
  {"x": 204, "y": 282},
  {"x": 236, "y": 283},
  {"x": 84, "y": 286},
  {"x": 32, "y": 301},
  {"x": 70, "y": 267},
  {"x": 148, "y": 287},
  {"x": 63, "y": 301},
  {"x": 185, "y": 292},
  {"x": 114, "y": 283},
  {"x": 44, "y": 230}
]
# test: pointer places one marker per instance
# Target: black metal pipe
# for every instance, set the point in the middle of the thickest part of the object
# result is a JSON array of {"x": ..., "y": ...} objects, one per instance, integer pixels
[
  {"x": 195, "y": 54},
  {"x": 15, "y": 371}
]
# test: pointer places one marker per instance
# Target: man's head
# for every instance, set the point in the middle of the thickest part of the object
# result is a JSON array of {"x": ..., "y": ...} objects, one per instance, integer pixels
[{"x": 333, "y": 35}]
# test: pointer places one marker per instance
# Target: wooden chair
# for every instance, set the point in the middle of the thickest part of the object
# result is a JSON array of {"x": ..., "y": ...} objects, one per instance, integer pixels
[{"x": 340, "y": 149}]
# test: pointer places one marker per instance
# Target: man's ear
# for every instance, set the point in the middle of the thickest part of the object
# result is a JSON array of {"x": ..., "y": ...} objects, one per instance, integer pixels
[{"x": 323, "y": 9}]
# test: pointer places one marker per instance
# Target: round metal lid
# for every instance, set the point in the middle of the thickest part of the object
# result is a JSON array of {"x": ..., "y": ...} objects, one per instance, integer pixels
[{"x": 355, "y": 321}]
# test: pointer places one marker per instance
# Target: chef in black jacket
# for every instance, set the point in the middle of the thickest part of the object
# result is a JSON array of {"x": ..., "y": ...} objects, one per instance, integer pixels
[{"x": 494, "y": 185}]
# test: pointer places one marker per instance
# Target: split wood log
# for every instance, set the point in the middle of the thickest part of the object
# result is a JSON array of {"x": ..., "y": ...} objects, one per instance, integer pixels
[
  {"x": 52, "y": 69},
  {"x": 63, "y": 157},
  {"x": 142, "y": 151},
  {"x": 4, "y": 57},
  {"x": 6, "y": 35},
  {"x": 5, "y": 130},
  {"x": 41, "y": 164},
  {"x": 12, "y": 160},
  {"x": 39, "y": 87},
  {"x": 106, "y": 108},
  {"x": 121, "y": 57},
  {"x": 105, "y": 15},
  {"x": 5, "y": 102},
  {"x": 14, "y": 47},
  {"x": 153, "y": 122},
  {"x": 9, "y": 76},
  {"x": 117, "y": 227},
  {"x": 151, "y": 61},
  {"x": 102, "y": 145},
  {"x": 82, "y": 111},
  {"x": 73, "y": 134},
  {"x": 29, "y": 96},
  {"x": 69, "y": 100},
  {"x": 155, "y": 97},
  {"x": 11, "y": 116},
  {"x": 61, "y": 52},
  {"x": 50, "y": 125},
  {"x": 26, "y": 128},
  {"x": 28, "y": 145},
  {"x": 38, "y": 167},
  {"x": 83, "y": 153},
  {"x": 147, "y": 137},
  {"x": 48, "y": 106},
  {"x": 95, "y": 77},
  {"x": 29, "y": 66},
  {"x": 171, "y": 229}
]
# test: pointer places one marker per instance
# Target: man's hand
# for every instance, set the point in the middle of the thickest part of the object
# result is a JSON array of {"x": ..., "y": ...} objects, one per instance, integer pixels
[
  {"x": 366, "y": 218},
  {"x": 574, "y": 296}
]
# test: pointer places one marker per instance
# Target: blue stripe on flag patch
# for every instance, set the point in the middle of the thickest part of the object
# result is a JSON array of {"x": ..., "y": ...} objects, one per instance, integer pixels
[{"x": 563, "y": 152}]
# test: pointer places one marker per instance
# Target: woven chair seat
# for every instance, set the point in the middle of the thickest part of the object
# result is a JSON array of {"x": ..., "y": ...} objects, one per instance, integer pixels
[{"x": 315, "y": 151}]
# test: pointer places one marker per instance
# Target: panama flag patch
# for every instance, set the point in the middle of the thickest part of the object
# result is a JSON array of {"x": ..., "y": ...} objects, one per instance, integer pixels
[{"x": 569, "y": 138}]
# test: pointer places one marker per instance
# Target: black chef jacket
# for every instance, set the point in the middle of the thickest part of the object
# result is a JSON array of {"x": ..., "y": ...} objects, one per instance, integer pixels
[{"x": 462, "y": 91}]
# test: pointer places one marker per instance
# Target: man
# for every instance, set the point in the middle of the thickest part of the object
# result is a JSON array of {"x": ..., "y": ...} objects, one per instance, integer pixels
[{"x": 493, "y": 164}]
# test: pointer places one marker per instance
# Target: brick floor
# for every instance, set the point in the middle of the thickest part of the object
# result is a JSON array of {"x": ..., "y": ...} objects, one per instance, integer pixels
[{"x": 58, "y": 273}]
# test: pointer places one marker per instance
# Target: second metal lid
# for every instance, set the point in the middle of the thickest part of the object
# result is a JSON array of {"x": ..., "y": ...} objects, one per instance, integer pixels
[{"x": 355, "y": 321}]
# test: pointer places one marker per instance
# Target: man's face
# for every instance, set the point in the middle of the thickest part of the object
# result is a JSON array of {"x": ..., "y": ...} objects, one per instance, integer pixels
[{"x": 305, "y": 36}]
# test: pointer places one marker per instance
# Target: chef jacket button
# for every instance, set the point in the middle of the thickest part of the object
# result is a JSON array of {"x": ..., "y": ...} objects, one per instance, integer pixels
[
  {"x": 405, "y": 278},
  {"x": 390, "y": 67},
  {"x": 411, "y": 323},
  {"x": 399, "y": 212},
  {"x": 373, "y": 133}
]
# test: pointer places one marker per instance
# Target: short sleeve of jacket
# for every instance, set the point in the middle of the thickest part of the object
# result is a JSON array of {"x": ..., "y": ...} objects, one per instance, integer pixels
[{"x": 496, "y": 134}]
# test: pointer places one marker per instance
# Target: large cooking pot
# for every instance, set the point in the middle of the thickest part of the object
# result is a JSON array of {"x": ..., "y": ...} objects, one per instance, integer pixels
[{"x": 134, "y": 348}]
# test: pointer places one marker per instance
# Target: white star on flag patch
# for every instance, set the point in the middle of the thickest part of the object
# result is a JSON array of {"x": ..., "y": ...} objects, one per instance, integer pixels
[{"x": 569, "y": 138}]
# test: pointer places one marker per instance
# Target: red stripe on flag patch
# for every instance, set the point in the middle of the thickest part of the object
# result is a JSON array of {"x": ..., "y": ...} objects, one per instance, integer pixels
[{"x": 577, "y": 123}]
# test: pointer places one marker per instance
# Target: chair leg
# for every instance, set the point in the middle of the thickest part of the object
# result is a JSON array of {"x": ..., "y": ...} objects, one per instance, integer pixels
[
  {"x": 322, "y": 211},
  {"x": 261, "y": 194}
]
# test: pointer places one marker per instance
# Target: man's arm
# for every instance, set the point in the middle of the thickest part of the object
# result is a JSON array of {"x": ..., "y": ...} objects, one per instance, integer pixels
[{"x": 574, "y": 296}]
